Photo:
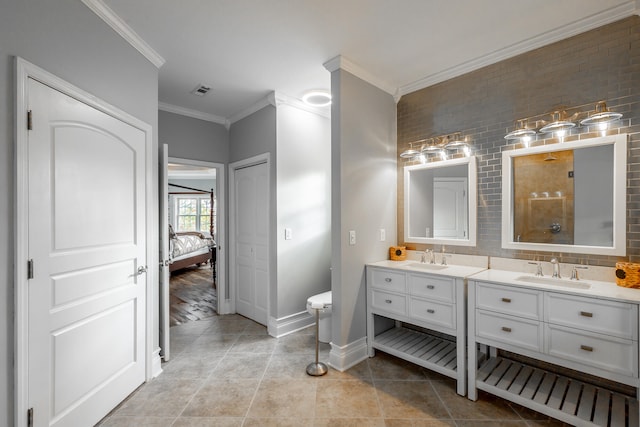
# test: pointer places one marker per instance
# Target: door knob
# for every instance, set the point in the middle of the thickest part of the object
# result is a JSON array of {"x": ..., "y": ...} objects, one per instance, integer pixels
[{"x": 142, "y": 269}]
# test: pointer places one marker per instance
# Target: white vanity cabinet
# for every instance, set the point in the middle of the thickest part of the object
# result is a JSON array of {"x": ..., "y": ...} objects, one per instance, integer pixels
[
  {"x": 398, "y": 299},
  {"x": 591, "y": 331}
]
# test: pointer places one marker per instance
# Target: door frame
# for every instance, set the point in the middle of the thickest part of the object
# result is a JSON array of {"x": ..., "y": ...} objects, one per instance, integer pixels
[
  {"x": 221, "y": 236},
  {"x": 24, "y": 71},
  {"x": 233, "y": 167}
]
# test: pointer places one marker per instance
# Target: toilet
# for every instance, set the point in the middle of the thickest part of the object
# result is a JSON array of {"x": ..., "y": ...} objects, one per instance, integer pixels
[{"x": 323, "y": 302}]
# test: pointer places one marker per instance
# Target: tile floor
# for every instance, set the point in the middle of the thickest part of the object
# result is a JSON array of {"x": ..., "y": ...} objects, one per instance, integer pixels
[{"x": 226, "y": 371}]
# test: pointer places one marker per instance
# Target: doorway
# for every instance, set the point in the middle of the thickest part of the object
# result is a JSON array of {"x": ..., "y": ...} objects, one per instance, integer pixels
[{"x": 193, "y": 213}]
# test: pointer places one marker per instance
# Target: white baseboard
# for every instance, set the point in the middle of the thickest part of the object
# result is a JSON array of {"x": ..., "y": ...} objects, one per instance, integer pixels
[
  {"x": 289, "y": 324},
  {"x": 343, "y": 358},
  {"x": 156, "y": 363}
]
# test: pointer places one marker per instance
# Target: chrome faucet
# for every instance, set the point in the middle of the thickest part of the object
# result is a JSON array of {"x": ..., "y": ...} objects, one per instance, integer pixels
[
  {"x": 444, "y": 256},
  {"x": 538, "y": 268},
  {"x": 432, "y": 258},
  {"x": 556, "y": 268},
  {"x": 574, "y": 272}
]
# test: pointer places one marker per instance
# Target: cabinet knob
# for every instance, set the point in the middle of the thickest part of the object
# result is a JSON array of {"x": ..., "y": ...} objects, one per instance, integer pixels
[
  {"x": 506, "y": 299},
  {"x": 430, "y": 311},
  {"x": 504, "y": 328},
  {"x": 387, "y": 279},
  {"x": 586, "y": 314},
  {"x": 388, "y": 301},
  {"x": 586, "y": 348},
  {"x": 430, "y": 287}
]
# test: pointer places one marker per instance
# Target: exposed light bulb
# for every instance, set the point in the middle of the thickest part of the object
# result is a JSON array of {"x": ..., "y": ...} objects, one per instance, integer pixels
[
  {"x": 422, "y": 158},
  {"x": 561, "y": 133},
  {"x": 466, "y": 151},
  {"x": 443, "y": 155},
  {"x": 603, "y": 126},
  {"x": 526, "y": 140}
]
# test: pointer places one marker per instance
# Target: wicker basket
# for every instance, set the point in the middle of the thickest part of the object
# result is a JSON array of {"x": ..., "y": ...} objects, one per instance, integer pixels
[
  {"x": 397, "y": 253},
  {"x": 628, "y": 274}
]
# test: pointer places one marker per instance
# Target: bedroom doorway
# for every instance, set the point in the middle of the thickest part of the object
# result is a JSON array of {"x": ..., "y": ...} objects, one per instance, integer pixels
[{"x": 194, "y": 264}]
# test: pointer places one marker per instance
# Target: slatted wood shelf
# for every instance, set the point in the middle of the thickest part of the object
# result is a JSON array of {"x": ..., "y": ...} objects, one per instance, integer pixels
[
  {"x": 569, "y": 400},
  {"x": 429, "y": 351}
]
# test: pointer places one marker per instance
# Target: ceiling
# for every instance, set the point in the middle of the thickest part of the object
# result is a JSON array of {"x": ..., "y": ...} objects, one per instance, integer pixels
[{"x": 246, "y": 49}]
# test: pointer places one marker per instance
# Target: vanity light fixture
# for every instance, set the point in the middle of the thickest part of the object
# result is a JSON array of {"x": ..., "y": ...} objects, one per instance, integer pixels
[
  {"x": 410, "y": 153},
  {"x": 455, "y": 141},
  {"x": 560, "y": 124},
  {"x": 601, "y": 117},
  {"x": 521, "y": 133},
  {"x": 434, "y": 146},
  {"x": 317, "y": 98}
]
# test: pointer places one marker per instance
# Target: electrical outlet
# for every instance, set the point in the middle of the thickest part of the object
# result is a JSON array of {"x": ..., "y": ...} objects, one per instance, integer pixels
[
  {"x": 352, "y": 237},
  {"x": 383, "y": 235}
]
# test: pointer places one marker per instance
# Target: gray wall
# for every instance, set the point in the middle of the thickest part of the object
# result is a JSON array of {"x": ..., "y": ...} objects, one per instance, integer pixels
[
  {"x": 363, "y": 183},
  {"x": 249, "y": 137},
  {"x": 193, "y": 139},
  {"x": 67, "y": 39},
  {"x": 304, "y": 206}
]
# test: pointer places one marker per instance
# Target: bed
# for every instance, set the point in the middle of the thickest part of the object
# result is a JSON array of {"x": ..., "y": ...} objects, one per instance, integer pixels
[{"x": 188, "y": 248}]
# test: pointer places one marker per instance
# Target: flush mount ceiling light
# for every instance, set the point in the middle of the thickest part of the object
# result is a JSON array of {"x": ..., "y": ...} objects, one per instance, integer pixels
[
  {"x": 522, "y": 132},
  {"x": 601, "y": 117},
  {"x": 559, "y": 124},
  {"x": 317, "y": 98}
]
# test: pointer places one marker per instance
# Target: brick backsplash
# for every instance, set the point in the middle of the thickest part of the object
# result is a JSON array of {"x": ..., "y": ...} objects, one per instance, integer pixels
[{"x": 602, "y": 64}]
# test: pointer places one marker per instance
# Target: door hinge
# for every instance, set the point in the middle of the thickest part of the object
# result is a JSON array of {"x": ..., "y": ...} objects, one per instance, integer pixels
[
  {"x": 30, "y": 417},
  {"x": 30, "y": 269},
  {"x": 29, "y": 120}
]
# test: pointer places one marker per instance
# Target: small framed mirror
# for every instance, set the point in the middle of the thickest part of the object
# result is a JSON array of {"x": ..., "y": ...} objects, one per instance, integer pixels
[
  {"x": 440, "y": 202},
  {"x": 566, "y": 197}
]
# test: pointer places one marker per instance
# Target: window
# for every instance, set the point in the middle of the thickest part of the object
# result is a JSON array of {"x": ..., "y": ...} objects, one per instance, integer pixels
[{"x": 193, "y": 213}]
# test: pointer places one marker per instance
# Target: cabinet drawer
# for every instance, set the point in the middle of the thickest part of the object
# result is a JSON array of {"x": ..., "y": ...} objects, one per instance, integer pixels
[
  {"x": 509, "y": 330},
  {"x": 607, "y": 317},
  {"x": 609, "y": 353},
  {"x": 519, "y": 302},
  {"x": 437, "y": 288},
  {"x": 433, "y": 312},
  {"x": 389, "y": 280},
  {"x": 389, "y": 302}
]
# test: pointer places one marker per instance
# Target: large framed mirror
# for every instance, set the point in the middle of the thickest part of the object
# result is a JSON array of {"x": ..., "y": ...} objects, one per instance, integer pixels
[
  {"x": 566, "y": 197},
  {"x": 440, "y": 202}
]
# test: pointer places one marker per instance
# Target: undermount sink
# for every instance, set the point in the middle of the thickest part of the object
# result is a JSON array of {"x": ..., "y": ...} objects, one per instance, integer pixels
[
  {"x": 425, "y": 266},
  {"x": 554, "y": 282}
]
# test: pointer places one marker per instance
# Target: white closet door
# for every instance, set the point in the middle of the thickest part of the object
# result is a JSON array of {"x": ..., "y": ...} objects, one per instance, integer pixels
[
  {"x": 252, "y": 241},
  {"x": 86, "y": 226}
]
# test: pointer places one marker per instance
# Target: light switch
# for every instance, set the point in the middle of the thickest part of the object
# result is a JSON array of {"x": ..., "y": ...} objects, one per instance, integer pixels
[
  {"x": 352, "y": 237},
  {"x": 288, "y": 235},
  {"x": 383, "y": 235}
]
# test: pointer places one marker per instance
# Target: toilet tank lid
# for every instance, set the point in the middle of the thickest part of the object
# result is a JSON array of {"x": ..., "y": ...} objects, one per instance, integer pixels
[{"x": 323, "y": 298}]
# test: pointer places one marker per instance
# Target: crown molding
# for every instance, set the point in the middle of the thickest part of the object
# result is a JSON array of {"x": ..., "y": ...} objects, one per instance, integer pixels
[
  {"x": 126, "y": 32},
  {"x": 259, "y": 105},
  {"x": 340, "y": 62},
  {"x": 589, "y": 23},
  {"x": 191, "y": 113}
]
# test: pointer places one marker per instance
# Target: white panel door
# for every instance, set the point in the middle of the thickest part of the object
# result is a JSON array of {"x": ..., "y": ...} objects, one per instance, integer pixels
[
  {"x": 86, "y": 227},
  {"x": 164, "y": 255},
  {"x": 450, "y": 208},
  {"x": 252, "y": 241}
]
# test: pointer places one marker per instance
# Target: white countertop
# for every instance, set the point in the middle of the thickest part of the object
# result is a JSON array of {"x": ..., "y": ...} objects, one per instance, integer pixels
[
  {"x": 418, "y": 267},
  {"x": 608, "y": 290}
]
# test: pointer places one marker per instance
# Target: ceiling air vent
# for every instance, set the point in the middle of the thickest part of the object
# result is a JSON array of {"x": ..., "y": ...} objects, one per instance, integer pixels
[{"x": 201, "y": 90}]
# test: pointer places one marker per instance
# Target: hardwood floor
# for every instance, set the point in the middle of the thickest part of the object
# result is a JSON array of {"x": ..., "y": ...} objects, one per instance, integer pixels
[{"x": 192, "y": 295}]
